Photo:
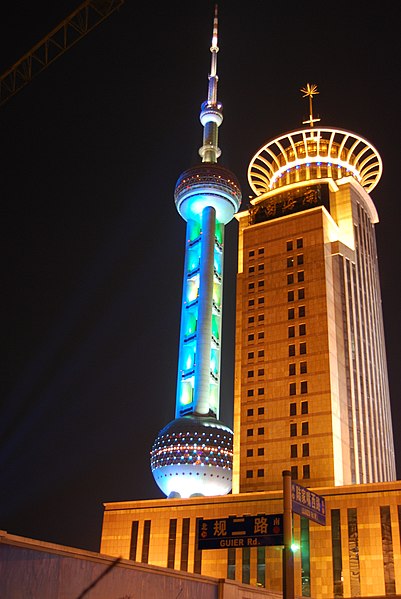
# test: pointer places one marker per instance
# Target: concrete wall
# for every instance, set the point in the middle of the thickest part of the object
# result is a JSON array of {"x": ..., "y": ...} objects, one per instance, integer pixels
[{"x": 32, "y": 569}]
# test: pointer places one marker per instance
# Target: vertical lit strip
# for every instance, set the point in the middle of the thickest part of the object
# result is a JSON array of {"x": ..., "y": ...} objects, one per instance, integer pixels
[
  {"x": 204, "y": 335},
  {"x": 388, "y": 552},
  {"x": 338, "y": 590},
  {"x": 305, "y": 558},
  {"x": 353, "y": 552}
]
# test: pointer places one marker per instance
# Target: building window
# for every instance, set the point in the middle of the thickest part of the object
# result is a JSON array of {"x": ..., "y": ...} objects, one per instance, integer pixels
[
  {"x": 251, "y": 355},
  {"x": 261, "y": 317},
  {"x": 249, "y": 453},
  {"x": 291, "y": 313},
  {"x": 251, "y": 319},
  {"x": 261, "y": 251},
  {"x": 291, "y": 331},
  {"x": 249, "y": 432},
  {"x": 172, "y": 536},
  {"x": 251, "y": 337},
  {"x": 231, "y": 563},
  {"x": 261, "y": 283},
  {"x": 291, "y": 350},
  {"x": 301, "y": 311},
  {"x": 261, "y": 430},
  {"x": 261, "y": 411},
  {"x": 293, "y": 429},
  {"x": 293, "y": 388},
  {"x": 304, "y": 406},
  {"x": 304, "y": 387},
  {"x": 251, "y": 285},
  {"x": 261, "y": 335},
  {"x": 261, "y": 371},
  {"x": 261, "y": 300},
  {"x": 261, "y": 472},
  {"x": 289, "y": 246},
  {"x": 306, "y": 471},
  {"x": 291, "y": 369},
  {"x": 251, "y": 253},
  {"x": 249, "y": 473},
  {"x": 250, "y": 392},
  {"x": 261, "y": 266},
  {"x": 261, "y": 451},
  {"x": 249, "y": 412},
  {"x": 293, "y": 409},
  {"x": 261, "y": 391},
  {"x": 250, "y": 374},
  {"x": 134, "y": 540},
  {"x": 294, "y": 472},
  {"x": 300, "y": 259},
  {"x": 290, "y": 296},
  {"x": 305, "y": 450},
  {"x": 301, "y": 276},
  {"x": 290, "y": 262},
  {"x": 387, "y": 548},
  {"x": 251, "y": 269},
  {"x": 261, "y": 353},
  {"x": 303, "y": 368},
  {"x": 305, "y": 428},
  {"x": 300, "y": 243},
  {"x": 302, "y": 348},
  {"x": 338, "y": 590},
  {"x": 301, "y": 293},
  {"x": 302, "y": 329},
  {"x": 185, "y": 544},
  {"x": 294, "y": 451},
  {"x": 251, "y": 302},
  {"x": 290, "y": 279},
  {"x": 146, "y": 541}
]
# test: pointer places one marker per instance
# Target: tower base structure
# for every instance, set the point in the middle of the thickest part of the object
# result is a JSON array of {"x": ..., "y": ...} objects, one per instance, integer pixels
[{"x": 357, "y": 552}]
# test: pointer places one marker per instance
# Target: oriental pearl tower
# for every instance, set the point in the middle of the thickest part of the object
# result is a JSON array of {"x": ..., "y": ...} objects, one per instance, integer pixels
[{"x": 193, "y": 454}]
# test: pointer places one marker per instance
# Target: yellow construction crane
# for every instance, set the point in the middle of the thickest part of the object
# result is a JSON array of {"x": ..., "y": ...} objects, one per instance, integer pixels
[{"x": 80, "y": 22}]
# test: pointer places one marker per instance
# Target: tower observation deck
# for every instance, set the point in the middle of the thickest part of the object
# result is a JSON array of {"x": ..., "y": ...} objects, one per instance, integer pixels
[{"x": 193, "y": 454}]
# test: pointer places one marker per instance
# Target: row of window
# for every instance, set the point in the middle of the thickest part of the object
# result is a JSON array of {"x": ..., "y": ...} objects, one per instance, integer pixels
[
  {"x": 292, "y": 349},
  {"x": 300, "y": 277},
  {"x": 304, "y": 451},
  {"x": 303, "y": 387},
  {"x": 301, "y": 330},
  {"x": 298, "y": 244},
  {"x": 294, "y": 429},
  {"x": 291, "y": 261},
  {"x": 260, "y": 472},
  {"x": 291, "y": 294}
]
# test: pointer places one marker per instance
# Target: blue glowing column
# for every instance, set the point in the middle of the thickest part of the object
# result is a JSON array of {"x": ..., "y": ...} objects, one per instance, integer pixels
[{"x": 199, "y": 356}]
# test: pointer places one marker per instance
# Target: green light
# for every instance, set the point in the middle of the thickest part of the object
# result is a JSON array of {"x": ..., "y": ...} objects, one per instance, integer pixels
[{"x": 294, "y": 546}]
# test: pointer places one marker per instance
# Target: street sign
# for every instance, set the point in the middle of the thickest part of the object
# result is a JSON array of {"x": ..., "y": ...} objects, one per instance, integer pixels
[
  {"x": 241, "y": 531},
  {"x": 308, "y": 504}
]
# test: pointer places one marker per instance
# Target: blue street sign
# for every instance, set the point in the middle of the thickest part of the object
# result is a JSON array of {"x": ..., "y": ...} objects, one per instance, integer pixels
[
  {"x": 308, "y": 504},
  {"x": 241, "y": 531}
]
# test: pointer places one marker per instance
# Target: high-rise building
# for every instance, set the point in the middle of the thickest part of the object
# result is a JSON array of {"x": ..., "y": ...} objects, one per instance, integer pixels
[{"x": 311, "y": 381}]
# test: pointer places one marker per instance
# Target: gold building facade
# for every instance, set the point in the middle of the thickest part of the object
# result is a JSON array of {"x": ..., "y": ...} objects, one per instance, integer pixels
[{"x": 357, "y": 553}]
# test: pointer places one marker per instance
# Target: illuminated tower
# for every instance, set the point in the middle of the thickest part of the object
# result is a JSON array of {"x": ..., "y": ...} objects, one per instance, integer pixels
[
  {"x": 192, "y": 455},
  {"x": 311, "y": 387}
]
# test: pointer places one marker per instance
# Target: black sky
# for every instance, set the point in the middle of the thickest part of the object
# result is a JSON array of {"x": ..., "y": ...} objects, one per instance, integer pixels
[{"x": 93, "y": 246}]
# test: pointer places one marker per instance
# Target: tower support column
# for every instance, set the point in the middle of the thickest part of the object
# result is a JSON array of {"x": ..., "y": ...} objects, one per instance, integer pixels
[{"x": 205, "y": 301}]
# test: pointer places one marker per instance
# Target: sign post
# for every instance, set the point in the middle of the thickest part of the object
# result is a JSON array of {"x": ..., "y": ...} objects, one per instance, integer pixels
[{"x": 288, "y": 556}]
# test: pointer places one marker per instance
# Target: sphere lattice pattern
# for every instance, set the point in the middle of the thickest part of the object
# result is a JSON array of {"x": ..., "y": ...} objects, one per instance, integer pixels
[
  {"x": 314, "y": 153},
  {"x": 193, "y": 455},
  {"x": 207, "y": 185}
]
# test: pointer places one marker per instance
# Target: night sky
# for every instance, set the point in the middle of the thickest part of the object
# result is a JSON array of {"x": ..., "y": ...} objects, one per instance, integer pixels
[{"x": 92, "y": 244}]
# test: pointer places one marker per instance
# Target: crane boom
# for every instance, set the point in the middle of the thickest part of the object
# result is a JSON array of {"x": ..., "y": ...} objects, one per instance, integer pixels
[{"x": 80, "y": 22}]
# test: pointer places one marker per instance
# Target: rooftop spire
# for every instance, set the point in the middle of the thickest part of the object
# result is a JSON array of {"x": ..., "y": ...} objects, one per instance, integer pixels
[
  {"x": 310, "y": 90},
  {"x": 211, "y": 115}
]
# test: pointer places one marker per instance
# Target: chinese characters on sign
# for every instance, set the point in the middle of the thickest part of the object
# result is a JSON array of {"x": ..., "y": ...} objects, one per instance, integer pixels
[
  {"x": 241, "y": 531},
  {"x": 308, "y": 504}
]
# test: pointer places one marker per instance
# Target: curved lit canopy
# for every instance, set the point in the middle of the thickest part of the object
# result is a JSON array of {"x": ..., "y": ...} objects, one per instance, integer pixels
[{"x": 330, "y": 152}]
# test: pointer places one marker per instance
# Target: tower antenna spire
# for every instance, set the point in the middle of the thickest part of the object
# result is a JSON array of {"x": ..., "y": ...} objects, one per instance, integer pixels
[
  {"x": 211, "y": 115},
  {"x": 310, "y": 90}
]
